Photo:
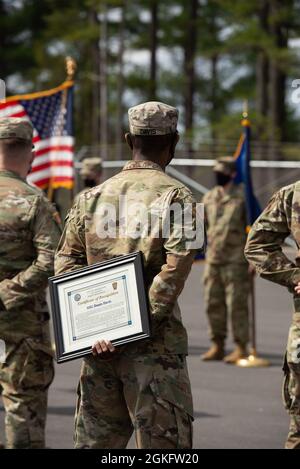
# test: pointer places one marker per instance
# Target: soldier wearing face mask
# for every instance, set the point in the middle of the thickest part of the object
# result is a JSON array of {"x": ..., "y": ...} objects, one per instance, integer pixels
[
  {"x": 226, "y": 277},
  {"x": 90, "y": 173}
]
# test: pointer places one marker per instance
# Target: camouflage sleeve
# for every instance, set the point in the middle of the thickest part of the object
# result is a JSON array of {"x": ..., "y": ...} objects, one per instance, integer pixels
[
  {"x": 46, "y": 232},
  {"x": 264, "y": 245},
  {"x": 71, "y": 251},
  {"x": 169, "y": 282}
]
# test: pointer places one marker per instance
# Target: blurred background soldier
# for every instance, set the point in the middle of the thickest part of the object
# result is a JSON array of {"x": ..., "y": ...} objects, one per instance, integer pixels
[
  {"x": 264, "y": 250},
  {"x": 90, "y": 173},
  {"x": 29, "y": 235},
  {"x": 226, "y": 278}
]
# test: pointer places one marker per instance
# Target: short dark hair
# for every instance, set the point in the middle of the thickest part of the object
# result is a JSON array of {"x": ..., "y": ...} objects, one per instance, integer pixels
[
  {"x": 152, "y": 143},
  {"x": 13, "y": 146}
]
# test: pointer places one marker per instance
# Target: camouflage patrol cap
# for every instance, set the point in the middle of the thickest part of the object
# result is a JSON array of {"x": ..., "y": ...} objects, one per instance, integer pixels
[
  {"x": 152, "y": 118},
  {"x": 16, "y": 127},
  {"x": 225, "y": 164},
  {"x": 90, "y": 167}
]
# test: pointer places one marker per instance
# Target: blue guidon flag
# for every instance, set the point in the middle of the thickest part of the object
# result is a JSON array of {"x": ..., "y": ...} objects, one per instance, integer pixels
[
  {"x": 50, "y": 113},
  {"x": 243, "y": 156}
]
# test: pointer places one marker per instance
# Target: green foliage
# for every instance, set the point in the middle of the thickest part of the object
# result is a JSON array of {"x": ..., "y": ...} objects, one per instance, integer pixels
[{"x": 35, "y": 37}]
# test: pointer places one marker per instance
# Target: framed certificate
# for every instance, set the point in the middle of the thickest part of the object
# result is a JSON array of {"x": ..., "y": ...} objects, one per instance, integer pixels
[{"x": 106, "y": 300}]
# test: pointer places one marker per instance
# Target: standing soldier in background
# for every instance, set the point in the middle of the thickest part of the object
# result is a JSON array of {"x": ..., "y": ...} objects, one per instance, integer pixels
[
  {"x": 29, "y": 235},
  {"x": 144, "y": 386},
  {"x": 226, "y": 277},
  {"x": 90, "y": 173},
  {"x": 264, "y": 249}
]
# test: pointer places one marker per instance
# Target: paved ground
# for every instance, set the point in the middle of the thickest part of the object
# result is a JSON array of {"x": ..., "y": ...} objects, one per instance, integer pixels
[{"x": 234, "y": 407}]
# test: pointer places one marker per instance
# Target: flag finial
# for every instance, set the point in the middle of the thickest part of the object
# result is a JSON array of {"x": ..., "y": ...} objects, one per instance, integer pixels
[
  {"x": 245, "y": 109},
  {"x": 70, "y": 67},
  {"x": 245, "y": 120}
]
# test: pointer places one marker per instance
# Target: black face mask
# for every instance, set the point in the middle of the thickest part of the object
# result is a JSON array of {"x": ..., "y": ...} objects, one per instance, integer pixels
[
  {"x": 89, "y": 183},
  {"x": 222, "y": 179}
]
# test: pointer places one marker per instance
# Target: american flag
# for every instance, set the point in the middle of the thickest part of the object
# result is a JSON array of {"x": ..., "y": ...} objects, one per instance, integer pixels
[{"x": 50, "y": 113}]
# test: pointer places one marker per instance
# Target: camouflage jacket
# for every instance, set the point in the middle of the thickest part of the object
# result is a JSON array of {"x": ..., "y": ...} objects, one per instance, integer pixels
[
  {"x": 83, "y": 191},
  {"x": 167, "y": 261},
  {"x": 225, "y": 216},
  {"x": 280, "y": 218},
  {"x": 29, "y": 236}
]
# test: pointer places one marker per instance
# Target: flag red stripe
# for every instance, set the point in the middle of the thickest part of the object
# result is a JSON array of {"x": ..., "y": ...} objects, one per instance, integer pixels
[
  {"x": 51, "y": 164},
  {"x": 11, "y": 103},
  {"x": 18, "y": 114},
  {"x": 54, "y": 148}
]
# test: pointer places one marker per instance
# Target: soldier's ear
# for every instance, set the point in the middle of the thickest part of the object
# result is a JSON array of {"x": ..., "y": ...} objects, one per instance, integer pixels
[
  {"x": 175, "y": 141},
  {"x": 32, "y": 157},
  {"x": 129, "y": 140}
]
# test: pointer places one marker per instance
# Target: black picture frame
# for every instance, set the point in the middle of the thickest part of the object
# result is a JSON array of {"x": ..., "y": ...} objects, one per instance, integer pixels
[{"x": 136, "y": 259}]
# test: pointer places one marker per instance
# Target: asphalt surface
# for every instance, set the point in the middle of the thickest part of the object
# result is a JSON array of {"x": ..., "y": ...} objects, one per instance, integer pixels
[{"x": 234, "y": 407}]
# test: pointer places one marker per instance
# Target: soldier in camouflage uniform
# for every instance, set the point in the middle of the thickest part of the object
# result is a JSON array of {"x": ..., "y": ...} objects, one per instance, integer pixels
[
  {"x": 226, "y": 278},
  {"x": 143, "y": 386},
  {"x": 264, "y": 250},
  {"x": 90, "y": 173},
  {"x": 29, "y": 235}
]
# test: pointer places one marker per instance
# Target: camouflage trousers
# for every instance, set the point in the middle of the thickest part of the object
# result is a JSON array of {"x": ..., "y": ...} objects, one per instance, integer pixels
[
  {"x": 291, "y": 384},
  {"x": 226, "y": 290},
  {"x": 149, "y": 394},
  {"x": 25, "y": 377}
]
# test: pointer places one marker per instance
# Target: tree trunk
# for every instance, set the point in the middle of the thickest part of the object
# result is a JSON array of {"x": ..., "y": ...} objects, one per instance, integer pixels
[
  {"x": 262, "y": 80},
  {"x": 94, "y": 47},
  {"x": 103, "y": 83},
  {"x": 189, "y": 71},
  {"x": 189, "y": 63},
  {"x": 153, "y": 50},
  {"x": 213, "y": 97},
  {"x": 277, "y": 79},
  {"x": 120, "y": 109}
]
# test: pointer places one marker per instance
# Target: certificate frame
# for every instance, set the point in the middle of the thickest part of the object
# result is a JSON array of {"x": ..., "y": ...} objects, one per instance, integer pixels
[{"x": 78, "y": 314}]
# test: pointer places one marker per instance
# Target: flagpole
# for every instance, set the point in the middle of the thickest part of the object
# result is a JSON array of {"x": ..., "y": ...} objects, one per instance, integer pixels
[
  {"x": 253, "y": 310},
  {"x": 245, "y": 109},
  {"x": 253, "y": 360},
  {"x": 71, "y": 66}
]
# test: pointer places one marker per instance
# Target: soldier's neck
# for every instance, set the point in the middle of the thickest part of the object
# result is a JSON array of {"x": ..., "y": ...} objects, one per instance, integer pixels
[
  {"x": 227, "y": 188},
  {"x": 138, "y": 156},
  {"x": 13, "y": 169}
]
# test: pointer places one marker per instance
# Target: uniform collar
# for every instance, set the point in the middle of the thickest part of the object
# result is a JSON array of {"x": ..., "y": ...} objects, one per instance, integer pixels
[
  {"x": 12, "y": 174},
  {"x": 139, "y": 164},
  {"x": 232, "y": 191}
]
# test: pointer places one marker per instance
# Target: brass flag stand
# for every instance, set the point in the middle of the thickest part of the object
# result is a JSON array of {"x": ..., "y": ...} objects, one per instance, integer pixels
[{"x": 253, "y": 360}]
